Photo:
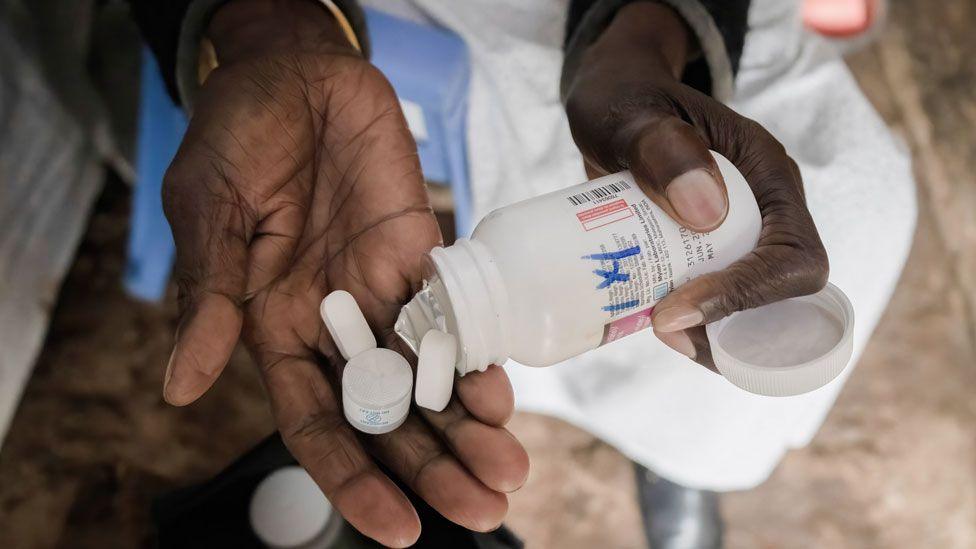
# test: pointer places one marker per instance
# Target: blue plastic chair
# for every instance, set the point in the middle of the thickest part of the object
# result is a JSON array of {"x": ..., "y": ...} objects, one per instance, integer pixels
[
  {"x": 161, "y": 128},
  {"x": 428, "y": 67}
]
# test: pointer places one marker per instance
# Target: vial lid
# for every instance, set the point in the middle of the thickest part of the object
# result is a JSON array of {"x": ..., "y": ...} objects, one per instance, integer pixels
[
  {"x": 436, "y": 362},
  {"x": 346, "y": 324},
  {"x": 786, "y": 348},
  {"x": 288, "y": 509},
  {"x": 376, "y": 388}
]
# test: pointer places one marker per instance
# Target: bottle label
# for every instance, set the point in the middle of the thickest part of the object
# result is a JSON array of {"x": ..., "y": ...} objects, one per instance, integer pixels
[
  {"x": 633, "y": 264},
  {"x": 627, "y": 325}
]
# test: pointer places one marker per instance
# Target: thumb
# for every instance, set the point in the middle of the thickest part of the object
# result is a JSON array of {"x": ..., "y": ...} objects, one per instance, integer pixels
[
  {"x": 768, "y": 274},
  {"x": 675, "y": 169},
  {"x": 211, "y": 232}
]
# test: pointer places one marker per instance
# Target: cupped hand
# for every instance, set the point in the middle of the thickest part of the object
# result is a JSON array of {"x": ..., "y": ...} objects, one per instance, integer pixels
[
  {"x": 298, "y": 176},
  {"x": 628, "y": 110}
]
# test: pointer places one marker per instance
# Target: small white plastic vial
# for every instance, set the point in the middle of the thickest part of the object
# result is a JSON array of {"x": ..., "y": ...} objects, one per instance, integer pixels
[
  {"x": 288, "y": 510},
  {"x": 554, "y": 276},
  {"x": 376, "y": 391}
]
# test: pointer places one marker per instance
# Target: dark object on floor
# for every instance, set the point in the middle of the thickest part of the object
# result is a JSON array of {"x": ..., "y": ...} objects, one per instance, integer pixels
[
  {"x": 677, "y": 517},
  {"x": 214, "y": 515}
]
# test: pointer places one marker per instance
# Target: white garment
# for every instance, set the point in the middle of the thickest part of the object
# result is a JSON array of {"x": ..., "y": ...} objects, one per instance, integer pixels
[{"x": 687, "y": 424}]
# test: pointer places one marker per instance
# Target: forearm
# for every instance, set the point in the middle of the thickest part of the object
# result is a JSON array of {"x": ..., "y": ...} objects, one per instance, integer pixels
[
  {"x": 242, "y": 29},
  {"x": 645, "y": 37},
  {"x": 717, "y": 30},
  {"x": 173, "y": 30}
]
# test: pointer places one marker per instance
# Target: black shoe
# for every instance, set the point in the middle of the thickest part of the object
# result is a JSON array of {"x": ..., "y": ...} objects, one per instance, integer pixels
[{"x": 676, "y": 517}]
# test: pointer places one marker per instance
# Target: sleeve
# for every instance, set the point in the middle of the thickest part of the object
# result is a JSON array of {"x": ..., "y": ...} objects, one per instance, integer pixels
[
  {"x": 173, "y": 30},
  {"x": 720, "y": 26}
]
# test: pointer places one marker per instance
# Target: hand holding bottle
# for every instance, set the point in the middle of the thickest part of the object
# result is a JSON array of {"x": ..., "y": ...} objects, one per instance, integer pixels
[{"x": 628, "y": 110}]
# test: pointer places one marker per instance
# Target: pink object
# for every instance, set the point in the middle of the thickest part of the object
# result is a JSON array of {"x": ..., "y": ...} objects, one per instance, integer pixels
[
  {"x": 839, "y": 18},
  {"x": 604, "y": 214},
  {"x": 627, "y": 325}
]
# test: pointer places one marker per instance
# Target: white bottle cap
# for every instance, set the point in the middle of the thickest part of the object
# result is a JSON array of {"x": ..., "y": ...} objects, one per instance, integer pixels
[
  {"x": 786, "y": 348},
  {"x": 288, "y": 509},
  {"x": 346, "y": 324},
  {"x": 436, "y": 362},
  {"x": 376, "y": 388}
]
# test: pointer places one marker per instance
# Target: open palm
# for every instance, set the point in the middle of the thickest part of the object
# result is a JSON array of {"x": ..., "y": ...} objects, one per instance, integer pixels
[{"x": 298, "y": 176}]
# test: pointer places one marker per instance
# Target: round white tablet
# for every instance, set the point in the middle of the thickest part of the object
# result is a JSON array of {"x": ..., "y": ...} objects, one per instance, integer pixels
[
  {"x": 346, "y": 324},
  {"x": 436, "y": 361}
]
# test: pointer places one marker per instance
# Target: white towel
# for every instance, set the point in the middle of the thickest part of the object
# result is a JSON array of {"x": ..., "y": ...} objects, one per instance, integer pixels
[{"x": 687, "y": 424}]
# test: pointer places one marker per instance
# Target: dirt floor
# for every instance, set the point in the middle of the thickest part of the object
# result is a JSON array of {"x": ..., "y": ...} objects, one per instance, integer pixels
[{"x": 893, "y": 467}]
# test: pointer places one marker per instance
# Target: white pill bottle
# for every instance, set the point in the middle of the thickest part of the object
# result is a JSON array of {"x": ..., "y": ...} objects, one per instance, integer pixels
[{"x": 549, "y": 278}]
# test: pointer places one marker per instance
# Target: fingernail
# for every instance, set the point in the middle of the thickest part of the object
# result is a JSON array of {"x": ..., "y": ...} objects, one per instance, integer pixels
[
  {"x": 171, "y": 386},
  {"x": 169, "y": 370},
  {"x": 698, "y": 199},
  {"x": 679, "y": 341},
  {"x": 677, "y": 318},
  {"x": 405, "y": 541}
]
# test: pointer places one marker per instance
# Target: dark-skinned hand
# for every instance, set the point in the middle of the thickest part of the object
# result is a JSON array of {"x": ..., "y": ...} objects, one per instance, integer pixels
[
  {"x": 628, "y": 109},
  {"x": 298, "y": 176}
]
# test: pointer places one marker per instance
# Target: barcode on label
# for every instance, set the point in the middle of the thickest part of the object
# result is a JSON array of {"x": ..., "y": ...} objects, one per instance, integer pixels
[{"x": 603, "y": 191}]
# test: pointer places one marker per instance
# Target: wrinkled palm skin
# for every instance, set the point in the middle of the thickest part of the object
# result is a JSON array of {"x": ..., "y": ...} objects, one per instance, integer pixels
[{"x": 298, "y": 176}]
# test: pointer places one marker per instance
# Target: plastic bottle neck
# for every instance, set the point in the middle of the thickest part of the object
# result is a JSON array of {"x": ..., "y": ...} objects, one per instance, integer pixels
[{"x": 471, "y": 293}]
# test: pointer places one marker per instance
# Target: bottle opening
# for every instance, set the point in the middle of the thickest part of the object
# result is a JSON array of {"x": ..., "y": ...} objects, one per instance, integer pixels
[
  {"x": 419, "y": 316},
  {"x": 463, "y": 296}
]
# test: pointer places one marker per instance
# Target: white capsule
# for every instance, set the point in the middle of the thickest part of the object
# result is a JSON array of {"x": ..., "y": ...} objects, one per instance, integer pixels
[
  {"x": 376, "y": 391},
  {"x": 346, "y": 324}
]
